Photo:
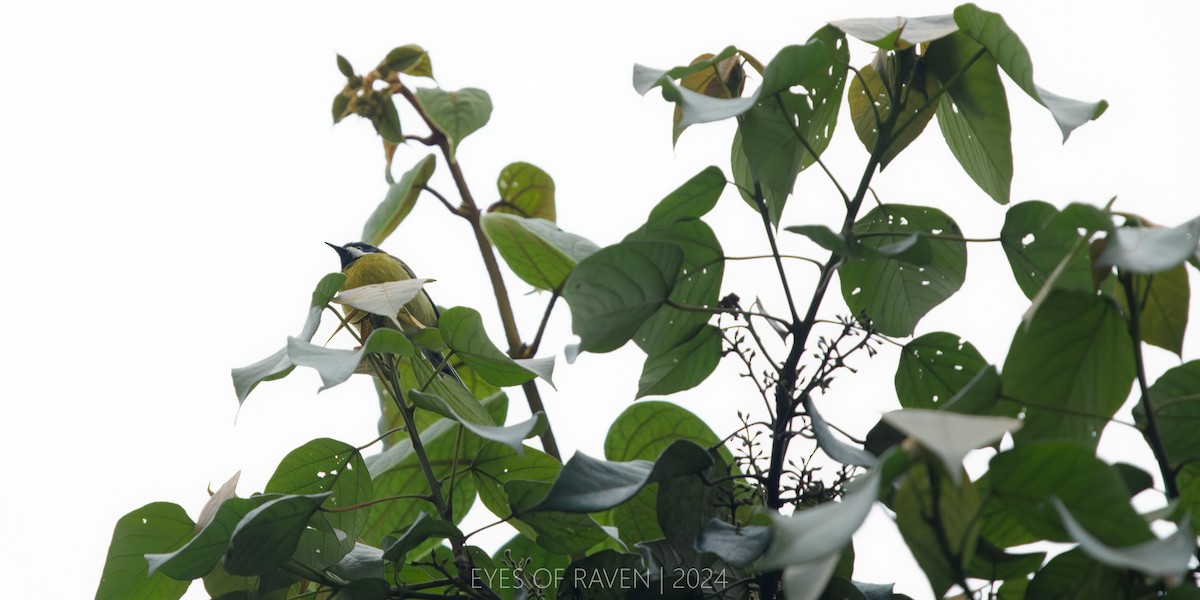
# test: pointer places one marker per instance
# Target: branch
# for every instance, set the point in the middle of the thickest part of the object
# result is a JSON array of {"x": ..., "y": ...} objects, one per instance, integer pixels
[{"x": 1151, "y": 432}]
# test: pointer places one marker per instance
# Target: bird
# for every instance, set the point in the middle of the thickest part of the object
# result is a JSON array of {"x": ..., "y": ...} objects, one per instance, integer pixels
[{"x": 364, "y": 264}]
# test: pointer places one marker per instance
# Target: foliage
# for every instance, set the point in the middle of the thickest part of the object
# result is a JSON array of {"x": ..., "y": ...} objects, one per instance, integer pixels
[{"x": 675, "y": 509}]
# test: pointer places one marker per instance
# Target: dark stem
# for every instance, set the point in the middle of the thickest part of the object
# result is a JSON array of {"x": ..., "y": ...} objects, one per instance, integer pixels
[
  {"x": 470, "y": 211},
  {"x": 1151, "y": 432}
]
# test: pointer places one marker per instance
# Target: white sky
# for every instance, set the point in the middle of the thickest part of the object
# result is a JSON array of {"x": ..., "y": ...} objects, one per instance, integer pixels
[{"x": 168, "y": 174}]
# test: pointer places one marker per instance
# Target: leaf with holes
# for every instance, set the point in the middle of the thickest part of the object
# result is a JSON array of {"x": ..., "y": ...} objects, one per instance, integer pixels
[
  {"x": 785, "y": 132},
  {"x": 326, "y": 465},
  {"x": 536, "y": 250},
  {"x": 895, "y": 296},
  {"x": 990, "y": 31},
  {"x": 1036, "y": 238},
  {"x": 973, "y": 113},
  {"x": 614, "y": 291},
  {"x": 1073, "y": 364},
  {"x": 871, "y": 106},
  {"x": 456, "y": 114},
  {"x": 525, "y": 191},
  {"x": 939, "y": 367},
  {"x": 155, "y": 527}
]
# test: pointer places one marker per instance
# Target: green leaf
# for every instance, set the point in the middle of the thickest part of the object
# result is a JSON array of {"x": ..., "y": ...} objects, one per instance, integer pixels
[
  {"x": 1073, "y": 366},
  {"x": 456, "y": 114},
  {"x": 568, "y": 533},
  {"x": 155, "y": 527},
  {"x": 808, "y": 580},
  {"x": 894, "y": 295},
  {"x": 1163, "y": 301},
  {"x": 973, "y": 114},
  {"x": 462, "y": 329},
  {"x": 365, "y": 589},
  {"x": 771, "y": 131},
  {"x": 1036, "y": 238},
  {"x": 1073, "y": 576},
  {"x": 689, "y": 201},
  {"x": 409, "y": 59},
  {"x": 326, "y": 465},
  {"x": 831, "y": 445},
  {"x": 423, "y": 528},
  {"x": 744, "y": 180},
  {"x": 362, "y": 562},
  {"x": 1175, "y": 400},
  {"x": 993, "y": 564},
  {"x": 615, "y": 290},
  {"x": 1025, "y": 478},
  {"x": 683, "y": 367},
  {"x": 605, "y": 575},
  {"x": 823, "y": 237},
  {"x": 642, "y": 432},
  {"x": 871, "y": 105},
  {"x": 940, "y": 371},
  {"x": 200, "y": 554},
  {"x": 924, "y": 522},
  {"x": 1150, "y": 250},
  {"x": 898, "y": 33},
  {"x": 278, "y": 365},
  {"x": 387, "y": 122},
  {"x": 397, "y": 471},
  {"x": 268, "y": 535},
  {"x": 698, "y": 284},
  {"x": 398, "y": 202},
  {"x": 341, "y": 107},
  {"x": 537, "y": 251},
  {"x": 1167, "y": 557},
  {"x": 525, "y": 191},
  {"x": 813, "y": 534},
  {"x": 506, "y": 479},
  {"x": 738, "y": 546},
  {"x": 990, "y": 31},
  {"x": 510, "y": 436},
  {"x": 344, "y": 66},
  {"x": 950, "y": 436},
  {"x": 589, "y": 485}
]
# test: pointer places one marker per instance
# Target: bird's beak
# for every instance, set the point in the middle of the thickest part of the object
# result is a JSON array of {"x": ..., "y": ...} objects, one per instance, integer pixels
[{"x": 344, "y": 255}]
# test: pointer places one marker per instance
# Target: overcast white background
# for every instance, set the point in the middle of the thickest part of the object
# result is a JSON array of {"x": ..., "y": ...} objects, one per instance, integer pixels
[{"x": 168, "y": 173}]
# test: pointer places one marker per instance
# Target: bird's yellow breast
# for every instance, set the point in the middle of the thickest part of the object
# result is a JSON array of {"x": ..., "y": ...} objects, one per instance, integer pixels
[{"x": 375, "y": 268}]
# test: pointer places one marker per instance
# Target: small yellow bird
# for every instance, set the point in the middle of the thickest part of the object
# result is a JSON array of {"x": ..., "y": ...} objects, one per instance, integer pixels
[{"x": 364, "y": 264}]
